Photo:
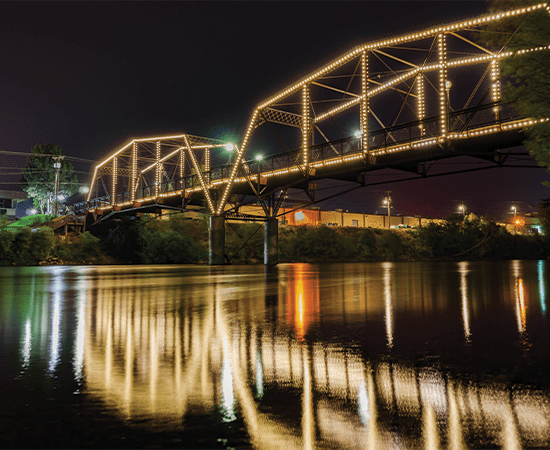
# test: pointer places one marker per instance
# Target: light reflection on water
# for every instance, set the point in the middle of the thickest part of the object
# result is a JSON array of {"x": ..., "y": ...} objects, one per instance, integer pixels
[{"x": 364, "y": 354}]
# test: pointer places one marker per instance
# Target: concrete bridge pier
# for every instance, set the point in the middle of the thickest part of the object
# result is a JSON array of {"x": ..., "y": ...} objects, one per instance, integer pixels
[
  {"x": 271, "y": 242},
  {"x": 216, "y": 254}
]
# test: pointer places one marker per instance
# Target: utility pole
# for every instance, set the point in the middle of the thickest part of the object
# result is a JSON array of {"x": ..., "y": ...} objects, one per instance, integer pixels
[
  {"x": 57, "y": 167},
  {"x": 515, "y": 209},
  {"x": 387, "y": 202}
]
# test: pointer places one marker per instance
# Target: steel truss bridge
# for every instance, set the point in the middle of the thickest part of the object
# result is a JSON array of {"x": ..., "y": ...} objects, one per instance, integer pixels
[{"x": 400, "y": 103}]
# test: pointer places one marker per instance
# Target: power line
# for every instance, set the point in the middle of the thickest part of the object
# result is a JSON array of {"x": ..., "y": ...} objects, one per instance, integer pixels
[{"x": 71, "y": 158}]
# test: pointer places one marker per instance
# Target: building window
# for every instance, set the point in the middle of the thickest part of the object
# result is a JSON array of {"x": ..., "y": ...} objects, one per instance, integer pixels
[{"x": 355, "y": 223}]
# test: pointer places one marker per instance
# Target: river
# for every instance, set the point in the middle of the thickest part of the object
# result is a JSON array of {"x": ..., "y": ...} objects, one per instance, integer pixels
[{"x": 300, "y": 356}]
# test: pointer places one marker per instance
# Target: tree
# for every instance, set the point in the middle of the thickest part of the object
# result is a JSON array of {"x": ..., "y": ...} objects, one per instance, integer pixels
[
  {"x": 527, "y": 76},
  {"x": 38, "y": 177},
  {"x": 544, "y": 215}
]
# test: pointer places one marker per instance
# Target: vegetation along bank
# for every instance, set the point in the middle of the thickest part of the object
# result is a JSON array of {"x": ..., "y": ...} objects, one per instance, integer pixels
[{"x": 179, "y": 240}]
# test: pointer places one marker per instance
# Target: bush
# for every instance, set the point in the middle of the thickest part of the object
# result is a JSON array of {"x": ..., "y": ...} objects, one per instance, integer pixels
[
  {"x": 28, "y": 247},
  {"x": 170, "y": 247},
  {"x": 84, "y": 249}
]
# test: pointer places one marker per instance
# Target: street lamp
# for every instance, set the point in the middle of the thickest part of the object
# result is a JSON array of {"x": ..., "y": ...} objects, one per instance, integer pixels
[
  {"x": 258, "y": 159},
  {"x": 229, "y": 148},
  {"x": 387, "y": 202},
  {"x": 57, "y": 167},
  {"x": 462, "y": 209},
  {"x": 515, "y": 209}
]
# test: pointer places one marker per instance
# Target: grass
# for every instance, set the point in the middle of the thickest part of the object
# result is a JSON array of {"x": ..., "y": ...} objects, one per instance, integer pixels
[{"x": 30, "y": 221}]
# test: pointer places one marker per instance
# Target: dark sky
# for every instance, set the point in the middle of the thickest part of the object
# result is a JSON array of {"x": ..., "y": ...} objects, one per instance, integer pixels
[{"x": 88, "y": 76}]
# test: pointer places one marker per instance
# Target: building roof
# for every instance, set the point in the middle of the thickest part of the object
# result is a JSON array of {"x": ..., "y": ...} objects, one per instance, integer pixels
[{"x": 14, "y": 195}]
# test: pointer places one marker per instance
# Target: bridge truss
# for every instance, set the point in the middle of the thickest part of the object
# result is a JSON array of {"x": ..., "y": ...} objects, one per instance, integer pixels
[{"x": 397, "y": 103}]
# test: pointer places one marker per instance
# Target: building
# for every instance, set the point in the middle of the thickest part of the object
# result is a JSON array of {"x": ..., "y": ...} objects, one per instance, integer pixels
[
  {"x": 340, "y": 218},
  {"x": 8, "y": 202}
]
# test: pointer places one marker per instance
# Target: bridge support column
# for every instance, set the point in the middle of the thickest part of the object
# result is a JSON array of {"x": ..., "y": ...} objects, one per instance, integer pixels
[
  {"x": 216, "y": 254},
  {"x": 271, "y": 242}
]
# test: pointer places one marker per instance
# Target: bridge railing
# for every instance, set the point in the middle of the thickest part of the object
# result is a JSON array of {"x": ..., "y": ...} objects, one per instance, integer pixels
[{"x": 462, "y": 120}]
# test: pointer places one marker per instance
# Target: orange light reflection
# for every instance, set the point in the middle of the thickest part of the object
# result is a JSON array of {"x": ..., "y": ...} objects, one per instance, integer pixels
[{"x": 302, "y": 300}]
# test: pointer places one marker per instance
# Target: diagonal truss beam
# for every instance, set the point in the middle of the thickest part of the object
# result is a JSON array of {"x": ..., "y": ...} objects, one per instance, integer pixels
[
  {"x": 199, "y": 175},
  {"x": 407, "y": 63},
  {"x": 335, "y": 89},
  {"x": 471, "y": 43}
]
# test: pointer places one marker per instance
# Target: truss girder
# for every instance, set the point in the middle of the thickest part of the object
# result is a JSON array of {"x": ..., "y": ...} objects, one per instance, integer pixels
[{"x": 413, "y": 74}]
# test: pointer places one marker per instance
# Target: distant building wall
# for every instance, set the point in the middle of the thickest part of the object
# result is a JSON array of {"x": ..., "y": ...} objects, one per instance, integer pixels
[
  {"x": 337, "y": 218},
  {"x": 8, "y": 202}
]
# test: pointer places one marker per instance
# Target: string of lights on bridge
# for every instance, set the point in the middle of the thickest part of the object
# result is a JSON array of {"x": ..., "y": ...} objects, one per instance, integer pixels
[{"x": 308, "y": 122}]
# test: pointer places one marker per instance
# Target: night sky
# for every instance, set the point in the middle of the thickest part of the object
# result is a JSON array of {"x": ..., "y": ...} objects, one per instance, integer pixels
[{"x": 89, "y": 76}]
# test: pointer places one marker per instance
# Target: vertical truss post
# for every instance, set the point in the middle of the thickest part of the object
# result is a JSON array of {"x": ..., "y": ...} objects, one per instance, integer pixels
[
  {"x": 364, "y": 103},
  {"x": 157, "y": 171},
  {"x": 495, "y": 87},
  {"x": 133, "y": 175},
  {"x": 182, "y": 169},
  {"x": 207, "y": 160},
  {"x": 420, "y": 101},
  {"x": 443, "y": 107},
  {"x": 113, "y": 187},
  {"x": 305, "y": 127}
]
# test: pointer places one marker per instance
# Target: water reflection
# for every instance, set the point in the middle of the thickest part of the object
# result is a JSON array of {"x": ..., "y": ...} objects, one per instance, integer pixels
[
  {"x": 388, "y": 303},
  {"x": 542, "y": 289},
  {"x": 164, "y": 346},
  {"x": 463, "y": 270},
  {"x": 520, "y": 306},
  {"x": 302, "y": 297}
]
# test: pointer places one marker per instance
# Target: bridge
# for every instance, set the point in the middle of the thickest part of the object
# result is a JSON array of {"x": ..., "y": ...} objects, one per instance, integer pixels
[{"x": 400, "y": 103}]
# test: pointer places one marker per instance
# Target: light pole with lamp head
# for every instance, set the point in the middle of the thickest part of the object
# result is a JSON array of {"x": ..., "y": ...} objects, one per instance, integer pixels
[
  {"x": 515, "y": 209},
  {"x": 57, "y": 167},
  {"x": 258, "y": 161},
  {"x": 387, "y": 202}
]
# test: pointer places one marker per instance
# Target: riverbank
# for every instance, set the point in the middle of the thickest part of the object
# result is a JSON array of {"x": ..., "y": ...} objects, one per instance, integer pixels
[{"x": 183, "y": 241}]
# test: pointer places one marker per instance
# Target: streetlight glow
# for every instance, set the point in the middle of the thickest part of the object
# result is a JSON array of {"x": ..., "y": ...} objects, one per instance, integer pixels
[
  {"x": 259, "y": 157},
  {"x": 229, "y": 147}
]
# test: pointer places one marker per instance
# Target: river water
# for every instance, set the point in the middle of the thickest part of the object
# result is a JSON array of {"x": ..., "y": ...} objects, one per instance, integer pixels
[{"x": 301, "y": 356}]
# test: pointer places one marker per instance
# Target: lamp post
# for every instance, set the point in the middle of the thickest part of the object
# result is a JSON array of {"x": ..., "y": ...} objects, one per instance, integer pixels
[
  {"x": 462, "y": 209},
  {"x": 387, "y": 202},
  {"x": 515, "y": 209},
  {"x": 258, "y": 160},
  {"x": 57, "y": 167},
  {"x": 229, "y": 148}
]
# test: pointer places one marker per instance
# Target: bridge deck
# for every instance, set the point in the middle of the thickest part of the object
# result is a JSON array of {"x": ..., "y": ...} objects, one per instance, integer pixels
[{"x": 403, "y": 148}]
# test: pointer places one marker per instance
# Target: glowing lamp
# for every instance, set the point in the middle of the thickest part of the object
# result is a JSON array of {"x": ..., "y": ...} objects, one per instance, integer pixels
[
  {"x": 229, "y": 147},
  {"x": 259, "y": 157}
]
